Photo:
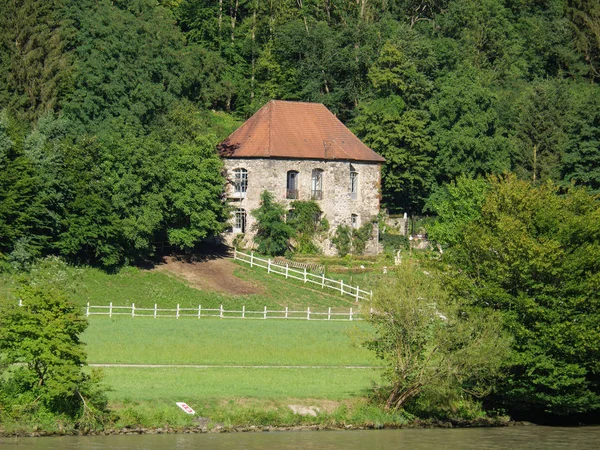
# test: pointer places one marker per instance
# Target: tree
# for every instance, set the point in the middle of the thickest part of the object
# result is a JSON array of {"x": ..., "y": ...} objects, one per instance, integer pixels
[
  {"x": 426, "y": 340},
  {"x": 456, "y": 205},
  {"x": 352, "y": 240},
  {"x": 534, "y": 255},
  {"x": 41, "y": 355},
  {"x": 305, "y": 218},
  {"x": 28, "y": 194},
  {"x": 581, "y": 159},
  {"x": 38, "y": 60},
  {"x": 541, "y": 131},
  {"x": 396, "y": 131},
  {"x": 466, "y": 128},
  {"x": 272, "y": 232}
]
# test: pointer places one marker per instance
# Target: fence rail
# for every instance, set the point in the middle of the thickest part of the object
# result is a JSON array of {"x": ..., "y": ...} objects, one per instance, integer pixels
[
  {"x": 199, "y": 312},
  {"x": 273, "y": 266}
]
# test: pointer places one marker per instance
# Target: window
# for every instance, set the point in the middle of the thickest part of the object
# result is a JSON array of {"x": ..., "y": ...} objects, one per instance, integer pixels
[
  {"x": 239, "y": 220},
  {"x": 292, "y": 184},
  {"x": 316, "y": 190},
  {"x": 240, "y": 182},
  {"x": 353, "y": 182},
  {"x": 354, "y": 220}
]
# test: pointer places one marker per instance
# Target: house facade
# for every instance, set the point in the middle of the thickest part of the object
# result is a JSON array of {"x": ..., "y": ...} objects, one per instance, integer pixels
[{"x": 301, "y": 151}]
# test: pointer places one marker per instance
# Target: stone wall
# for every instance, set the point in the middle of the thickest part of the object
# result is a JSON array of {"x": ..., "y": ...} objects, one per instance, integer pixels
[{"x": 337, "y": 203}]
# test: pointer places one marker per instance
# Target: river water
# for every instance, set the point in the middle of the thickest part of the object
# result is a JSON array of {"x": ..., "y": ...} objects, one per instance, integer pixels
[{"x": 513, "y": 438}]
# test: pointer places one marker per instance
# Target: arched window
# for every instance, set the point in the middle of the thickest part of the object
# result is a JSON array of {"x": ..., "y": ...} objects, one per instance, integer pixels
[
  {"x": 316, "y": 189},
  {"x": 292, "y": 184},
  {"x": 239, "y": 220},
  {"x": 354, "y": 222},
  {"x": 240, "y": 182},
  {"x": 353, "y": 182}
]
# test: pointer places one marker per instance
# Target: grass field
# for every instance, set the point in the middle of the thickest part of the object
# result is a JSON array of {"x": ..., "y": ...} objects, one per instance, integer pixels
[
  {"x": 196, "y": 384},
  {"x": 219, "y": 341},
  {"x": 234, "y": 395},
  {"x": 145, "y": 288},
  {"x": 238, "y": 342}
]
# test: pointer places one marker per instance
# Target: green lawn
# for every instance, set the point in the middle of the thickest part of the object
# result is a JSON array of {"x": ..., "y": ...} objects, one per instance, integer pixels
[
  {"x": 145, "y": 288},
  {"x": 230, "y": 342},
  {"x": 213, "y": 341},
  {"x": 192, "y": 385},
  {"x": 225, "y": 341}
]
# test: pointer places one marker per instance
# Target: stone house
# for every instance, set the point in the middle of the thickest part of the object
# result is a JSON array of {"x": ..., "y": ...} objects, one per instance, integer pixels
[{"x": 301, "y": 151}]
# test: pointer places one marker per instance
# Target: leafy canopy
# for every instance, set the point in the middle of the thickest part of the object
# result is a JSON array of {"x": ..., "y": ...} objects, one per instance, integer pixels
[
  {"x": 427, "y": 341},
  {"x": 41, "y": 355},
  {"x": 534, "y": 255},
  {"x": 272, "y": 232}
]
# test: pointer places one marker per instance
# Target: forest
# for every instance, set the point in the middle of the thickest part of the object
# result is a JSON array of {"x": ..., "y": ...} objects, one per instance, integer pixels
[
  {"x": 110, "y": 110},
  {"x": 487, "y": 112}
]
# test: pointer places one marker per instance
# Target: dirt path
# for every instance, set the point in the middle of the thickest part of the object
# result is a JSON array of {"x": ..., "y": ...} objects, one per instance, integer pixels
[{"x": 214, "y": 273}]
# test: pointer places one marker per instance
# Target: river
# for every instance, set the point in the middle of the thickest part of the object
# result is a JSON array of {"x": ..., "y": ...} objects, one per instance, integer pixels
[{"x": 513, "y": 438}]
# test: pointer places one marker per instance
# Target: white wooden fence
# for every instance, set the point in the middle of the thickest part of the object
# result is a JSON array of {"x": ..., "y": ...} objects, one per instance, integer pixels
[
  {"x": 303, "y": 275},
  {"x": 134, "y": 311}
]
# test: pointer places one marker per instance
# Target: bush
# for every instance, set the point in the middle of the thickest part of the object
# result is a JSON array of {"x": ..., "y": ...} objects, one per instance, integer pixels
[
  {"x": 392, "y": 242},
  {"x": 349, "y": 240},
  {"x": 272, "y": 233},
  {"x": 41, "y": 357},
  {"x": 428, "y": 340}
]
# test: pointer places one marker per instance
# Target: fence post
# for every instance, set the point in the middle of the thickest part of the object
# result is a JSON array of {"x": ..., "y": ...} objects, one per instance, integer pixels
[
  {"x": 286, "y": 312},
  {"x": 110, "y": 310},
  {"x": 221, "y": 312},
  {"x": 20, "y": 302},
  {"x": 155, "y": 310},
  {"x": 234, "y": 252},
  {"x": 329, "y": 314},
  {"x": 243, "y": 311},
  {"x": 177, "y": 314},
  {"x": 305, "y": 274},
  {"x": 133, "y": 310},
  {"x": 251, "y": 258},
  {"x": 87, "y": 309},
  {"x": 265, "y": 313},
  {"x": 286, "y": 269},
  {"x": 371, "y": 295},
  {"x": 357, "y": 289},
  {"x": 199, "y": 311},
  {"x": 323, "y": 280},
  {"x": 269, "y": 266},
  {"x": 350, "y": 314},
  {"x": 308, "y": 313},
  {"x": 341, "y": 287}
]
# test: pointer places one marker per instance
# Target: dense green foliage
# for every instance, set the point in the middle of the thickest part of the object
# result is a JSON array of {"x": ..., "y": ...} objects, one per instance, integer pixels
[
  {"x": 456, "y": 205},
  {"x": 352, "y": 240},
  {"x": 41, "y": 358},
  {"x": 429, "y": 343},
  {"x": 306, "y": 218},
  {"x": 107, "y": 133},
  {"x": 273, "y": 233},
  {"x": 110, "y": 112},
  {"x": 533, "y": 253}
]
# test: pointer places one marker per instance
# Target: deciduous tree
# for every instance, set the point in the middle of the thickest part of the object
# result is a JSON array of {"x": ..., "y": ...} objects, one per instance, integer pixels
[{"x": 427, "y": 340}]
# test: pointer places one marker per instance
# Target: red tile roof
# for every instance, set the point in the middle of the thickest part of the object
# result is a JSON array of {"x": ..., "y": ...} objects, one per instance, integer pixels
[{"x": 283, "y": 129}]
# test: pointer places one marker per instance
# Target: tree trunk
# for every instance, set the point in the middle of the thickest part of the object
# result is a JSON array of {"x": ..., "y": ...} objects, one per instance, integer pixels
[
  {"x": 220, "y": 16},
  {"x": 234, "y": 10}
]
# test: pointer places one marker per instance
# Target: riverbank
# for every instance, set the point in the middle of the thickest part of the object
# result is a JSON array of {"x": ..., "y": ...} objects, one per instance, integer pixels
[{"x": 202, "y": 428}]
